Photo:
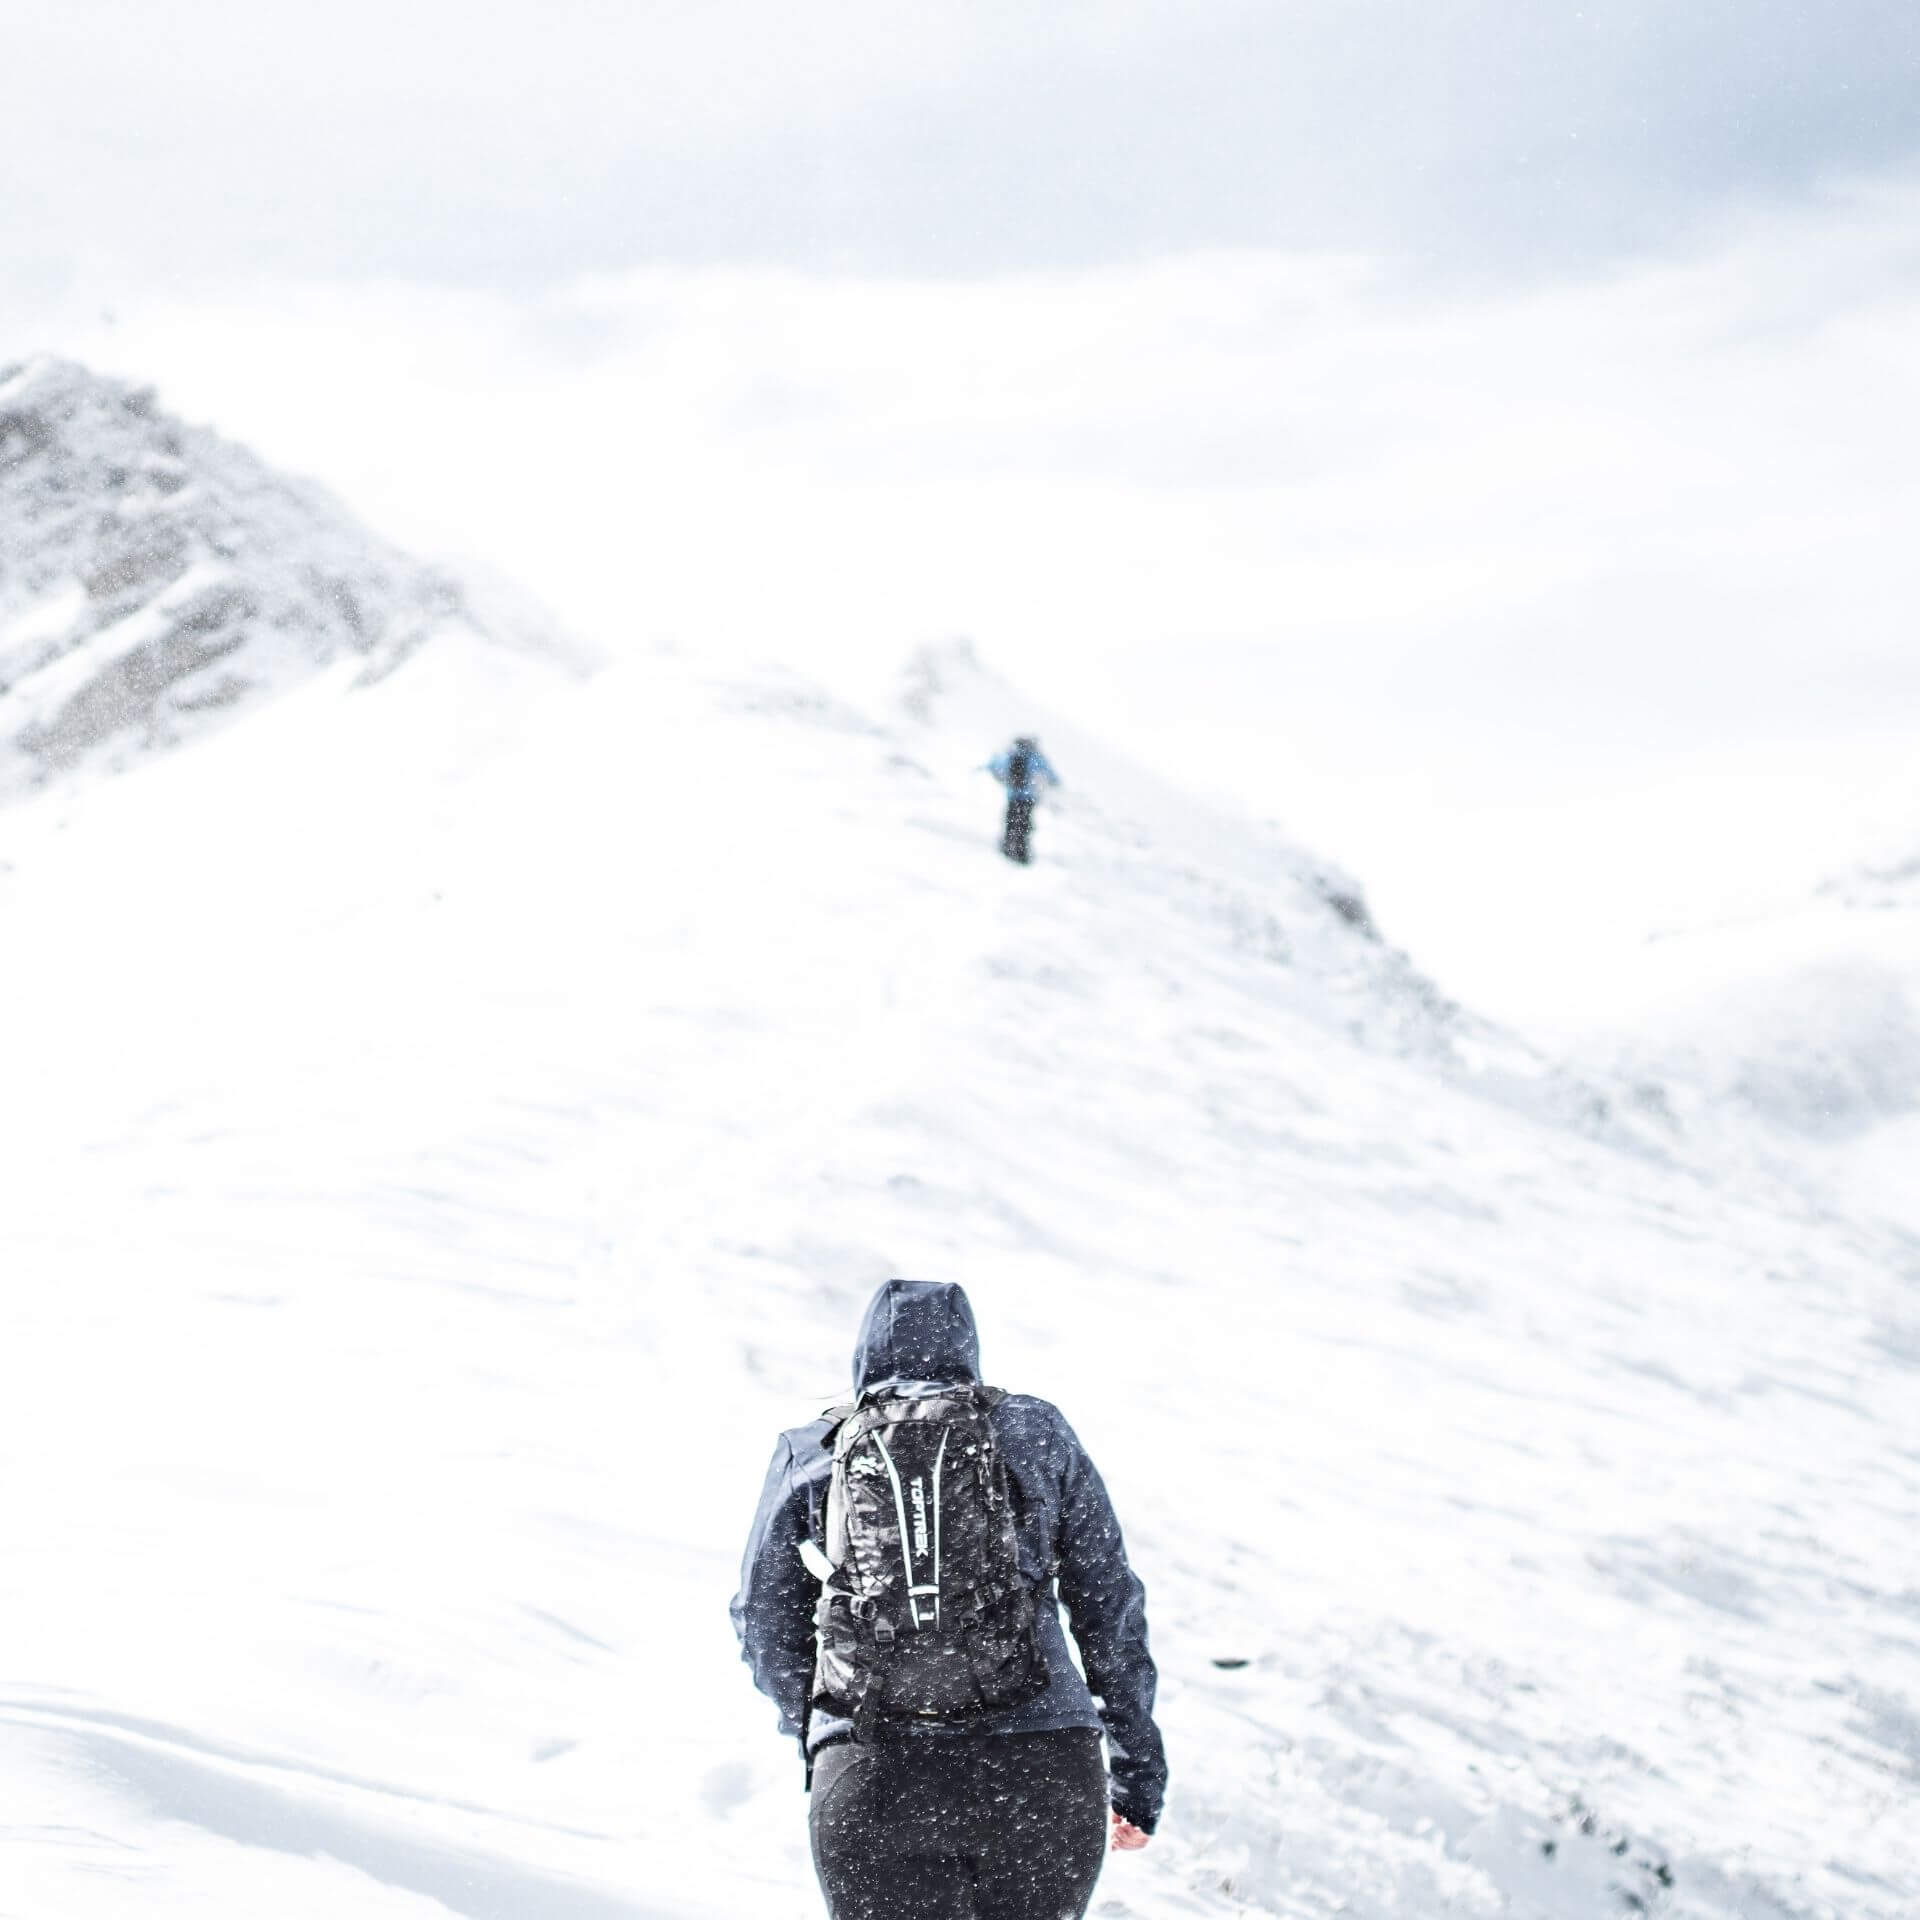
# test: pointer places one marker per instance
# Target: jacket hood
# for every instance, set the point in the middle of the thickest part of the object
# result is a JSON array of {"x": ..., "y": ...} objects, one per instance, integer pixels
[{"x": 916, "y": 1330}]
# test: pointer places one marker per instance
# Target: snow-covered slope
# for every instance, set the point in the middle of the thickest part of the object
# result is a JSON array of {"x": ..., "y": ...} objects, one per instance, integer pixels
[
  {"x": 425, "y": 1201},
  {"x": 1792, "y": 1030},
  {"x": 155, "y": 579}
]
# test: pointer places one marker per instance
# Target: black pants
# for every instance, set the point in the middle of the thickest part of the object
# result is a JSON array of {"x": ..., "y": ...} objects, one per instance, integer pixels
[
  {"x": 1014, "y": 842},
  {"x": 1006, "y": 1827}
]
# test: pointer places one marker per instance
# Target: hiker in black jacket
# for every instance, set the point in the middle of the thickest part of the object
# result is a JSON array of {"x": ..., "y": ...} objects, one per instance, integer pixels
[{"x": 997, "y": 1814}]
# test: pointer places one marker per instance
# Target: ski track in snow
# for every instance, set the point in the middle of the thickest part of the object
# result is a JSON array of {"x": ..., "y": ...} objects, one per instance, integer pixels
[{"x": 451, "y": 1128}]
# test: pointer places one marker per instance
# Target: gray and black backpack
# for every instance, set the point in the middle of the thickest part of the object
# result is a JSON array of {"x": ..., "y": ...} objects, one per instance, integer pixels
[{"x": 924, "y": 1612}]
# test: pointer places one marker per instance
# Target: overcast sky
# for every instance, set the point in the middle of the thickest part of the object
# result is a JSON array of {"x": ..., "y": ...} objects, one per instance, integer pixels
[
  {"x": 524, "y": 141},
  {"x": 1479, "y": 432}
]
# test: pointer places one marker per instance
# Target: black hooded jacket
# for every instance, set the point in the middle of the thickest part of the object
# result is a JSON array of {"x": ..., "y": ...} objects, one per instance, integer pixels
[{"x": 919, "y": 1330}]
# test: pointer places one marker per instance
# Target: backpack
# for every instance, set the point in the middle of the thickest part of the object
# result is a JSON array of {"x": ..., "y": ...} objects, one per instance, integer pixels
[
  {"x": 924, "y": 1613},
  {"x": 1019, "y": 768}
]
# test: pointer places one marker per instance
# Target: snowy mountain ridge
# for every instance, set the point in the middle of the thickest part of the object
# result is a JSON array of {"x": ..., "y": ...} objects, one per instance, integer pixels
[
  {"x": 1277, "y": 900},
  {"x": 1524, "y": 1486},
  {"x": 155, "y": 579},
  {"x": 1792, "y": 1032}
]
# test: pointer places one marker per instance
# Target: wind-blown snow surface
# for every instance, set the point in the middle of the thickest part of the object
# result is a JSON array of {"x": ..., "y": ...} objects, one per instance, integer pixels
[{"x": 428, "y": 1191}]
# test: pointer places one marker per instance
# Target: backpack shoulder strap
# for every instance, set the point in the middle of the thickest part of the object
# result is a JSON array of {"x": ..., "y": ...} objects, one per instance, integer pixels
[{"x": 812, "y": 1554}]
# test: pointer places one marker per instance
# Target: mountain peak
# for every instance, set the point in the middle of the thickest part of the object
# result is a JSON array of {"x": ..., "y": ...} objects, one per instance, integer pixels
[{"x": 156, "y": 578}]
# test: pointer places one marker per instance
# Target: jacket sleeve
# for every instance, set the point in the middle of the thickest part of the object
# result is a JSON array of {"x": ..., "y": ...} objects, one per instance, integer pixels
[
  {"x": 773, "y": 1611},
  {"x": 1108, "y": 1608}
]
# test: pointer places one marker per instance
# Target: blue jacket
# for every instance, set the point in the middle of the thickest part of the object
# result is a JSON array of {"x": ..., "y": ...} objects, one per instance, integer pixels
[
  {"x": 1039, "y": 769},
  {"x": 923, "y": 1331}
]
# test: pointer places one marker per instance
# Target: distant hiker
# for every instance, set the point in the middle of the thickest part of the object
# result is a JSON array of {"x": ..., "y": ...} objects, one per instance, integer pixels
[
  {"x": 899, "y": 1604},
  {"x": 1021, "y": 770}
]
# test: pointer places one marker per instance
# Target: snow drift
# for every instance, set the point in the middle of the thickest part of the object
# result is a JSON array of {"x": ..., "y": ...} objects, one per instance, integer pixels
[{"x": 1524, "y": 1486}]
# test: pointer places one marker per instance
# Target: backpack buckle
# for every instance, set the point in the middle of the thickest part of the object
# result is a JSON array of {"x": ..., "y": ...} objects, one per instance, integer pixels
[{"x": 883, "y": 1630}]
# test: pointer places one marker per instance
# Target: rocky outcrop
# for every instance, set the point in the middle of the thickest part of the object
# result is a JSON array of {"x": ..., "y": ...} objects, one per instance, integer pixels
[{"x": 155, "y": 579}]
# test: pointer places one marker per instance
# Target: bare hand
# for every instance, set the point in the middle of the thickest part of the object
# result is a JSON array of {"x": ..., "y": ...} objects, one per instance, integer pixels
[{"x": 1127, "y": 1838}]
